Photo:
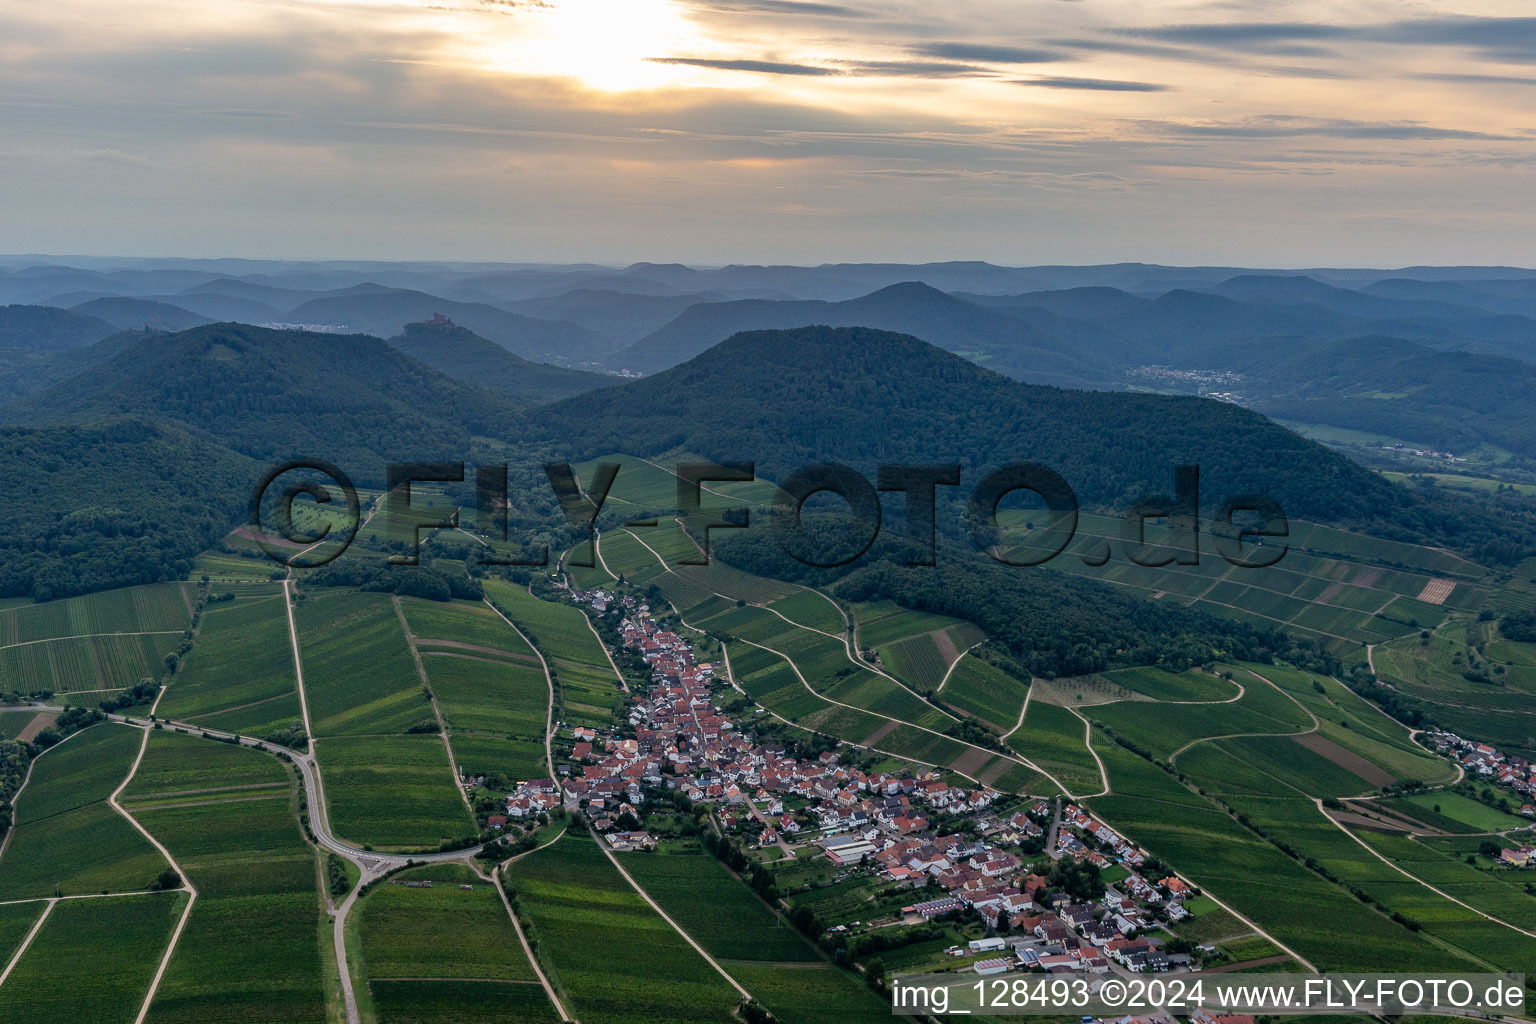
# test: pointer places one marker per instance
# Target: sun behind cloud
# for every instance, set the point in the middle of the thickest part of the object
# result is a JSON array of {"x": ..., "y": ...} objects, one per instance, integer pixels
[{"x": 604, "y": 44}]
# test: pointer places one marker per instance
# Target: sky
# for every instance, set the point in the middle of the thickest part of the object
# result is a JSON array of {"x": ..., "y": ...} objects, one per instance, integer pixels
[{"x": 1243, "y": 132}]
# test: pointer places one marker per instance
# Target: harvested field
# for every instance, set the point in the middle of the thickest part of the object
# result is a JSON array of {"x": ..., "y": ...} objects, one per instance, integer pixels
[
  {"x": 971, "y": 761},
  {"x": 1436, "y": 591},
  {"x": 1346, "y": 759},
  {"x": 29, "y": 731}
]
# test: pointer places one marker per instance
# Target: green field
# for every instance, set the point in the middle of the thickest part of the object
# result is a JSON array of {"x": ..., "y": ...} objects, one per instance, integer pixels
[
  {"x": 1255, "y": 877},
  {"x": 156, "y": 607},
  {"x": 253, "y": 945},
  {"x": 715, "y": 907},
  {"x": 460, "y": 1002},
  {"x": 179, "y": 766},
  {"x": 982, "y": 689},
  {"x": 239, "y": 676},
  {"x": 122, "y": 938},
  {"x": 1453, "y": 812},
  {"x": 586, "y": 686},
  {"x": 1341, "y": 588},
  {"x": 441, "y": 933},
  {"x": 92, "y": 663},
  {"x": 642, "y": 971},
  {"x": 16, "y": 921},
  {"x": 461, "y": 622},
  {"x": 358, "y": 671},
  {"x": 1055, "y": 739},
  {"x": 1165, "y": 728},
  {"x": 478, "y": 694},
  {"x": 809, "y": 993},
  {"x": 1498, "y": 706},
  {"x": 68, "y": 840},
  {"x": 481, "y": 754},
  {"x": 392, "y": 791},
  {"x": 813, "y": 609}
]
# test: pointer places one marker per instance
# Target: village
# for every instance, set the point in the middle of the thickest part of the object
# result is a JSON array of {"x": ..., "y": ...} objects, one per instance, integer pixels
[{"x": 998, "y": 861}]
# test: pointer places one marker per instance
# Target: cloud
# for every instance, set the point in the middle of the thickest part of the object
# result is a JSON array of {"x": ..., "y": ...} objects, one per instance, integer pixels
[
  {"x": 791, "y": 7},
  {"x": 1469, "y": 79},
  {"x": 1507, "y": 39},
  {"x": 916, "y": 69},
  {"x": 762, "y": 67},
  {"x": 1092, "y": 84},
  {"x": 1284, "y": 126},
  {"x": 989, "y": 54}
]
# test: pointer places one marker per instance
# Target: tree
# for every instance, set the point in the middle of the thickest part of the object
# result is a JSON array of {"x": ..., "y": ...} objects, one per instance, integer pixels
[{"x": 169, "y": 879}]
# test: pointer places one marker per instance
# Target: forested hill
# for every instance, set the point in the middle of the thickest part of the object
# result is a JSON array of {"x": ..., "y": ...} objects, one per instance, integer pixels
[
  {"x": 787, "y": 399},
  {"x": 121, "y": 502},
  {"x": 471, "y": 359},
  {"x": 272, "y": 395}
]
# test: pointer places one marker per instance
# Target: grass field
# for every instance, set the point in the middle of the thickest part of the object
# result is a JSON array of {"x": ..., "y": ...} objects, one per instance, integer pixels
[
  {"x": 392, "y": 791},
  {"x": 252, "y": 947},
  {"x": 68, "y": 840},
  {"x": 121, "y": 938},
  {"x": 642, "y": 972},
  {"x": 239, "y": 675}
]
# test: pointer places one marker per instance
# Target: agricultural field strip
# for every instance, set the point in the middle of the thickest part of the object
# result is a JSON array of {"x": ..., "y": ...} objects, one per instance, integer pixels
[
  {"x": 667, "y": 917},
  {"x": 1408, "y": 874},
  {"x": 1241, "y": 691},
  {"x": 846, "y": 640},
  {"x": 549, "y": 720},
  {"x": 89, "y": 636},
  {"x": 1018, "y": 759},
  {"x": 731, "y": 678},
  {"x": 186, "y": 882},
  {"x": 952, "y": 665},
  {"x": 298, "y": 672},
  {"x": 37, "y": 926},
  {"x": 1088, "y": 741},
  {"x": 495, "y": 877},
  {"x": 437, "y": 712}
]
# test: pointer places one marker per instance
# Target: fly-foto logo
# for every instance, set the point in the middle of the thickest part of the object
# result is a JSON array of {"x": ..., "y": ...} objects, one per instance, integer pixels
[{"x": 1256, "y": 542}]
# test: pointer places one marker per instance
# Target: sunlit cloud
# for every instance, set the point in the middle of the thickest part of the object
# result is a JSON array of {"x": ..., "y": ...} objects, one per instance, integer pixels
[{"x": 770, "y": 129}]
